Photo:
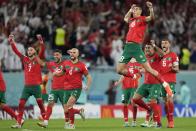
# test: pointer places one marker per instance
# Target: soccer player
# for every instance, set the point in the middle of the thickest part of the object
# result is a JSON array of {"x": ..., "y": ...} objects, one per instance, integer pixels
[
  {"x": 74, "y": 70},
  {"x": 133, "y": 48},
  {"x": 129, "y": 86},
  {"x": 169, "y": 68},
  {"x": 3, "y": 105},
  {"x": 57, "y": 88},
  {"x": 33, "y": 79},
  {"x": 151, "y": 87}
]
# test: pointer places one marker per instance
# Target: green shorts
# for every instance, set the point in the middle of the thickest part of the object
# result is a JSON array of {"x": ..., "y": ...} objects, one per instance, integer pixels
[
  {"x": 2, "y": 97},
  {"x": 55, "y": 95},
  {"x": 133, "y": 50},
  {"x": 68, "y": 93},
  {"x": 31, "y": 90},
  {"x": 150, "y": 91},
  {"x": 127, "y": 95},
  {"x": 172, "y": 86},
  {"x": 45, "y": 97}
]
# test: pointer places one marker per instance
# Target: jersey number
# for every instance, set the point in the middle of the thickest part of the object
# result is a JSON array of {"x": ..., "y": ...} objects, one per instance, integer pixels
[
  {"x": 164, "y": 63},
  {"x": 71, "y": 71},
  {"x": 29, "y": 66}
]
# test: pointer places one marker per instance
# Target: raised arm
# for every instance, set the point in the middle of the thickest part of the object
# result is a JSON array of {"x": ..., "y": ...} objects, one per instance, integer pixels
[
  {"x": 41, "y": 62},
  {"x": 157, "y": 49},
  {"x": 41, "y": 42},
  {"x": 13, "y": 45},
  {"x": 128, "y": 14},
  {"x": 150, "y": 7}
]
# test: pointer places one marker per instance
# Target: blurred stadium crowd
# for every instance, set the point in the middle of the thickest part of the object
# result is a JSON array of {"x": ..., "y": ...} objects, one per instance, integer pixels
[{"x": 96, "y": 27}]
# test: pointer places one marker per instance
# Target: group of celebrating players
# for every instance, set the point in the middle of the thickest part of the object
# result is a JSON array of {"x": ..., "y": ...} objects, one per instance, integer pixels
[
  {"x": 158, "y": 65},
  {"x": 66, "y": 84}
]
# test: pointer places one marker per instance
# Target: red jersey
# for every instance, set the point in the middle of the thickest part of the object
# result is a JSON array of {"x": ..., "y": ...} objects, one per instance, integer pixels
[
  {"x": 154, "y": 63},
  {"x": 129, "y": 82},
  {"x": 73, "y": 75},
  {"x": 2, "y": 82},
  {"x": 169, "y": 60},
  {"x": 32, "y": 70},
  {"x": 137, "y": 29},
  {"x": 57, "y": 81}
]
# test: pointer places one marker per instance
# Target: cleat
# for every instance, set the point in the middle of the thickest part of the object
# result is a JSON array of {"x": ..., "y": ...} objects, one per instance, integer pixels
[
  {"x": 70, "y": 126},
  {"x": 126, "y": 124},
  {"x": 158, "y": 125},
  {"x": 42, "y": 124},
  {"x": 145, "y": 124},
  {"x": 16, "y": 126},
  {"x": 66, "y": 125},
  {"x": 82, "y": 114},
  {"x": 133, "y": 124},
  {"x": 170, "y": 124}
]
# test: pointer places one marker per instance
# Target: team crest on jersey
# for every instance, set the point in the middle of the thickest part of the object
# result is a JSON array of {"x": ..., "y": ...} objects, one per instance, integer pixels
[
  {"x": 152, "y": 60},
  {"x": 67, "y": 67},
  {"x": 76, "y": 69},
  {"x": 133, "y": 23},
  {"x": 169, "y": 58}
]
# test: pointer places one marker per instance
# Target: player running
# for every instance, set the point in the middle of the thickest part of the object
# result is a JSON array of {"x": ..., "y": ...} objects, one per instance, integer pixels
[
  {"x": 129, "y": 86},
  {"x": 33, "y": 79},
  {"x": 133, "y": 48},
  {"x": 169, "y": 68},
  {"x": 151, "y": 88},
  {"x": 3, "y": 105},
  {"x": 74, "y": 70}
]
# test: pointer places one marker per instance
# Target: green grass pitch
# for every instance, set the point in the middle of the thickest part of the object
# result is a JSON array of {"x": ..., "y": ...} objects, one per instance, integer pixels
[{"x": 181, "y": 124}]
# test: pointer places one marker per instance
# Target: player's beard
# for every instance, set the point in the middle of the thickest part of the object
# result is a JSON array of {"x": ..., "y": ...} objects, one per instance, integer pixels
[
  {"x": 57, "y": 60},
  {"x": 32, "y": 55}
]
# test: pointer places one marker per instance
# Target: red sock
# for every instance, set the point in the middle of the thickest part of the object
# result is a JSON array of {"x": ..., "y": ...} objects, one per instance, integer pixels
[
  {"x": 66, "y": 116},
  {"x": 147, "y": 114},
  {"x": 71, "y": 116},
  {"x": 134, "y": 110},
  {"x": 170, "y": 111},
  {"x": 76, "y": 111},
  {"x": 141, "y": 103},
  {"x": 48, "y": 113},
  {"x": 166, "y": 110},
  {"x": 125, "y": 113},
  {"x": 156, "y": 116},
  {"x": 41, "y": 107},
  {"x": 21, "y": 110},
  {"x": 9, "y": 111}
]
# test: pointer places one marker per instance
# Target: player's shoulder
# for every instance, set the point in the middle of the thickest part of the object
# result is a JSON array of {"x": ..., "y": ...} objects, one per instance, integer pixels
[
  {"x": 81, "y": 63},
  {"x": 173, "y": 54}
]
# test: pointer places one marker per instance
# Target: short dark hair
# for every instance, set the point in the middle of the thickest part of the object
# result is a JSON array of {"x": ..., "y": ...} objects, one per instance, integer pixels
[{"x": 58, "y": 51}]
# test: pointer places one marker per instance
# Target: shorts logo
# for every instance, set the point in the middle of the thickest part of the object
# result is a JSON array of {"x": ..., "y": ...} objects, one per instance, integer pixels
[
  {"x": 141, "y": 56},
  {"x": 121, "y": 59}
]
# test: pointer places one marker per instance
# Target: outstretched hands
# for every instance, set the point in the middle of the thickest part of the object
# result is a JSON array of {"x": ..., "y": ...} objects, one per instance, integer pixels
[{"x": 149, "y": 4}]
